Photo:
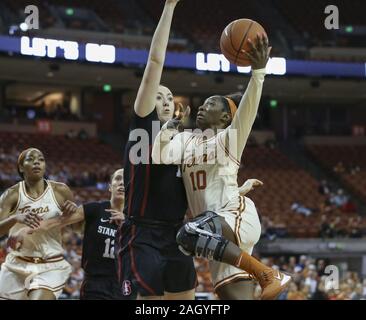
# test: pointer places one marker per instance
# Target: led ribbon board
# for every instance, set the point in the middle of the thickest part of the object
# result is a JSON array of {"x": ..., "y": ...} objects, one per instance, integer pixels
[{"x": 212, "y": 62}]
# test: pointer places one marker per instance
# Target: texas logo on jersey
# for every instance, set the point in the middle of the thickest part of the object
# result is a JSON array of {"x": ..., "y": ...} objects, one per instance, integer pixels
[{"x": 39, "y": 210}]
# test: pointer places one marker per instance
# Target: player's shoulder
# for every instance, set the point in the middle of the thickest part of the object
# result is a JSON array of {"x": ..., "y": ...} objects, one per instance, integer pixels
[
  {"x": 95, "y": 208},
  {"x": 12, "y": 193},
  {"x": 59, "y": 187},
  {"x": 144, "y": 122}
]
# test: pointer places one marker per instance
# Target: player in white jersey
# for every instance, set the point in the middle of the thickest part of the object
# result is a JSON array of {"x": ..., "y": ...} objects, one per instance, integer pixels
[
  {"x": 37, "y": 270},
  {"x": 226, "y": 225}
]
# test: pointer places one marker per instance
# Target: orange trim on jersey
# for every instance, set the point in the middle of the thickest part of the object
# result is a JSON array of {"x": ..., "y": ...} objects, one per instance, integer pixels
[
  {"x": 238, "y": 219},
  {"x": 227, "y": 152},
  {"x": 18, "y": 202},
  {"x": 54, "y": 198},
  {"x": 40, "y": 197},
  {"x": 233, "y": 278},
  {"x": 236, "y": 227}
]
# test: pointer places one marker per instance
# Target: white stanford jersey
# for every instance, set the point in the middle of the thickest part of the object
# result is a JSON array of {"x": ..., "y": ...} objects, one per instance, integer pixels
[
  {"x": 209, "y": 167},
  {"x": 43, "y": 244}
]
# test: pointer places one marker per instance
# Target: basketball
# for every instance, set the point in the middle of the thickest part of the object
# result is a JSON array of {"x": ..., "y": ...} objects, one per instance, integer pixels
[{"x": 235, "y": 37}]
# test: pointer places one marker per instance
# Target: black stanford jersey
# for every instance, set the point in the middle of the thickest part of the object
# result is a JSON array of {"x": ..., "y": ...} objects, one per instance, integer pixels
[
  {"x": 151, "y": 191},
  {"x": 99, "y": 236}
]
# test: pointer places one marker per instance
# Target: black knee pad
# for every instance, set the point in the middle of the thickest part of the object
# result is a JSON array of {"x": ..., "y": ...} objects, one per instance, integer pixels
[{"x": 202, "y": 237}]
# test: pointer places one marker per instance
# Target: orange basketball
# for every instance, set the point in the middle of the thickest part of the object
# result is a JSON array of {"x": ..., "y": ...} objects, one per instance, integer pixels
[{"x": 235, "y": 38}]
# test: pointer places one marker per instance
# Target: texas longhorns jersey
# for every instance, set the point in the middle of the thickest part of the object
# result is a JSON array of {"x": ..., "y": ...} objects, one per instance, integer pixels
[{"x": 42, "y": 243}]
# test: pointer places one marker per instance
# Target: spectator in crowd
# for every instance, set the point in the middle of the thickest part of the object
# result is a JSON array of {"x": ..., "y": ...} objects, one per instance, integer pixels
[
  {"x": 301, "y": 209},
  {"x": 321, "y": 265},
  {"x": 353, "y": 169},
  {"x": 2, "y": 155},
  {"x": 319, "y": 293},
  {"x": 325, "y": 229},
  {"x": 354, "y": 227},
  {"x": 311, "y": 279},
  {"x": 324, "y": 188},
  {"x": 348, "y": 207},
  {"x": 358, "y": 294},
  {"x": 309, "y": 282},
  {"x": 339, "y": 168},
  {"x": 294, "y": 293},
  {"x": 302, "y": 262},
  {"x": 71, "y": 134},
  {"x": 339, "y": 199}
]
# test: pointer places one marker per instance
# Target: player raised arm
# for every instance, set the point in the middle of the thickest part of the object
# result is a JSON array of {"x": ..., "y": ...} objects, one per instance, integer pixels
[
  {"x": 247, "y": 110},
  {"x": 146, "y": 96}
]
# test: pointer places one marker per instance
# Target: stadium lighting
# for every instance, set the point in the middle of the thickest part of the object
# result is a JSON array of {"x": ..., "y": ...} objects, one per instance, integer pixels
[
  {"x": 273, "y": 103},
  {"x": 70, "y": 11},
  {"x": 107, "y": 88},
  {"x": 23, "y": 26}
]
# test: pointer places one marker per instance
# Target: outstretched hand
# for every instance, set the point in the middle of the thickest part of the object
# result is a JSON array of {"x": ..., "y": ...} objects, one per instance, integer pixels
[
  {"x": 249, "y": 185},
  {"x": 117, "y": 217},
  {"x": 259, "y": 52},
  {"x": 178, "y": 121},
  {"x": 253, "y": 183}
]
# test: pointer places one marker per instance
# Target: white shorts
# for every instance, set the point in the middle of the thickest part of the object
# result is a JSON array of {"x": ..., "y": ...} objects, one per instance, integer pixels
[
  {"x": 247, "y": 228},
  {"x": 18, "y": 277}
]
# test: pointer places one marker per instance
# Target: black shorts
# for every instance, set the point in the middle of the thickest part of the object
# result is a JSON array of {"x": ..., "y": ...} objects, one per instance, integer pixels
[
  {"x": 100, "y": 288},
  {"x": 150, "y": 263}
]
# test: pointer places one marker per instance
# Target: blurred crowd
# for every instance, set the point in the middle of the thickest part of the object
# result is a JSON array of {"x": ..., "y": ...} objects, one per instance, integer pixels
[
  {"x": 73, "y": 178},
  {"x": 313, "y": 281},
  {"x": 335, "y": 216},
  {"x": 352, "y": 169},
  {"x": 86, "y": 178}
]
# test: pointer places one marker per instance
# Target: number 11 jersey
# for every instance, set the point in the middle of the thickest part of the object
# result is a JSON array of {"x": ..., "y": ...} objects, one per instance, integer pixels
[{"x": 99, "y": 237}]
